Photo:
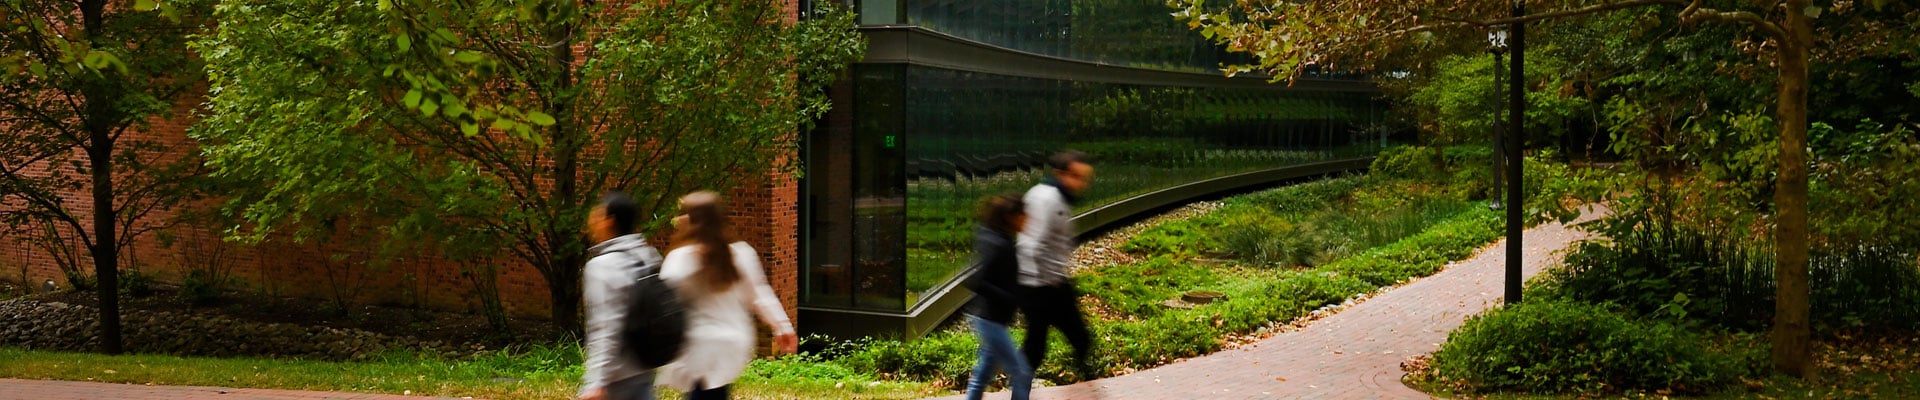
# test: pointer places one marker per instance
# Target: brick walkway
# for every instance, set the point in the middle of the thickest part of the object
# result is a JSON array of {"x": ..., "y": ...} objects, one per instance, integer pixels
[
  {"x": 20, "y": 389},
  {"x": 1354, "y": 354}
]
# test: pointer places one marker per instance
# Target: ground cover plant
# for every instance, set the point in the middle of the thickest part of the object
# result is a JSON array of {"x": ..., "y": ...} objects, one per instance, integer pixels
[
  {"x": 1413, "y": 226},
  {"x": 939, "y": 224}
]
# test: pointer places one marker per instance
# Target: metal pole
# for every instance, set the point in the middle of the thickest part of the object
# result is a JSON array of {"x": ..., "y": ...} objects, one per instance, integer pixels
[
  {"x": 1498, "y": 106},
  {"x": 1516, "y": 120}
]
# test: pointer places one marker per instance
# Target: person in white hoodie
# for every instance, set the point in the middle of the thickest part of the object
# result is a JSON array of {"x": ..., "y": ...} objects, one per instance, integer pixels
[
  {"x": 1045, "y": 252},
  {"x": 721, "y": 282},
  {"x": 617, "y": 259}
]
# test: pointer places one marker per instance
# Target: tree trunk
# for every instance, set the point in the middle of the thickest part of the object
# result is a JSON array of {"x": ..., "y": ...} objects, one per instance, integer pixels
[
  {"x": 565, "y": 239},
  {"x": 564, "y": 285},
  {"x": 1792, "y": 333},
  {"x": 101, "y": 116}
]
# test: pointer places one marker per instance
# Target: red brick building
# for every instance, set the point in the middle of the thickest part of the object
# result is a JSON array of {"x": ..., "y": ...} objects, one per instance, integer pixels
[{"x": 765, "y": 211}]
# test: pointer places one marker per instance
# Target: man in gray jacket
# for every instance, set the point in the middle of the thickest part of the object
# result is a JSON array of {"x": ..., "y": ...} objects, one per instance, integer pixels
[
  {"x": 1045, "y": 250},
  {"x": 608, "y": 282}
]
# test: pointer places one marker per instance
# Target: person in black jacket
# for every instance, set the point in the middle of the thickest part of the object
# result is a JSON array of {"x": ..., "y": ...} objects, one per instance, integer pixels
[{"x": 995, "y": 283}]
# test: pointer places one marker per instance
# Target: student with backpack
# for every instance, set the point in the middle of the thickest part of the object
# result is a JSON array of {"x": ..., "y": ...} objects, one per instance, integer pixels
[
  {"x": 1046, "y": 247},
  {"x": 721, "y": 282},
  {"x": 995, "y": 282},
  {"x": 621, "y": 257}
]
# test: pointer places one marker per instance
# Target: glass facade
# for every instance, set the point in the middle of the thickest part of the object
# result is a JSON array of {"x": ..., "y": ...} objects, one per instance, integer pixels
[
  {"x": 890, "y": 196},
  {"x": 1119, "y": 32}
]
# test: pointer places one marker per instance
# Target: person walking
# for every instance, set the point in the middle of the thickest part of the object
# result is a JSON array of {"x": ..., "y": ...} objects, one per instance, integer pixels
[
  {"x": 994, "y": 283},
  {"x": 720, "y": 281},
  {"x": 1045, "y": 254},
  {"x": 618, "y": 257}
]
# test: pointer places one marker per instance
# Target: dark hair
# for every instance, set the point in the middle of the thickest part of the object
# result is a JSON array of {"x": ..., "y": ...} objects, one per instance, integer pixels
[
  {"x": 998, "y": 212},
  {"x": 707, "y": 226},
  {"x": 1066, "y": 159},
  {"x": 621, "y": 209}
]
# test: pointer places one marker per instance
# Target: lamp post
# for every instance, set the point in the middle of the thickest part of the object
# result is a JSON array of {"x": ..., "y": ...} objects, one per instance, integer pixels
[
  {"x": 1497, "y": 44},
  {"x": 1517, "y": 89}
]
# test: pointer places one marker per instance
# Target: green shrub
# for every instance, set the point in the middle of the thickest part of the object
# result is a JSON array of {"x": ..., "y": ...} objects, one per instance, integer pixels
[
  {"x": 135, "y": 283},
  {"x": 1731, "y": 284},
  {"x": 1263, "y": 239},
  {"x": 1424, "y": 253},
  {"x": 1407, "y": 162},
  {"x": 202, "y": 287},
  {"x": 1301, "y": 199},
  {"x": 1567, "y": 347},
  {"x": 945, "y": 357}
]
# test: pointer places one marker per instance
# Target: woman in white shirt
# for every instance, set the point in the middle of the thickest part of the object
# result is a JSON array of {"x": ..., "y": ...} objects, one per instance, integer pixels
[{"x": 720, "y": 280}]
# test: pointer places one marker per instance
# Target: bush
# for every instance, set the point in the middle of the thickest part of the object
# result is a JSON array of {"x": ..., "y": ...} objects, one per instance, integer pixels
[
  {"x": 943, "y": 357},
  {"x": 1731, "y": 284},
  {"x": 1406, "y": 162},
  {"x": 201, "y": 287},
  {"x": 1425, "y": 253},
  {"x": 135, "y": 283},
  {"x": 1562, "y": 347},
  {"x": 1263, "y": 239}
]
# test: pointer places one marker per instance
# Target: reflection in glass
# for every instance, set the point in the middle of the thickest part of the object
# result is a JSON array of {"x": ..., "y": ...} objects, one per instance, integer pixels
[
  {"x": 970, "y": 135},
  {"x": 890, "y": 196},
  {"x": 1120, "y": 32}
]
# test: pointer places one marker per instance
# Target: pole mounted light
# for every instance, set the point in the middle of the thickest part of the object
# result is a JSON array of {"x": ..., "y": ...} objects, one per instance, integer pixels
[
  {"x": 1517, "y": 121},
  {"x": 1497, "y": 44}
]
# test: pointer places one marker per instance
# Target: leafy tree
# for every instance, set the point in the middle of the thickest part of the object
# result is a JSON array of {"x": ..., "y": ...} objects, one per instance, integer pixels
[
  {"x": 1288, "y": 37},
  {"x": 1460, "y": 98},
  {"x": 75, "y": 78},
  {"x": 475, "y": 127}
]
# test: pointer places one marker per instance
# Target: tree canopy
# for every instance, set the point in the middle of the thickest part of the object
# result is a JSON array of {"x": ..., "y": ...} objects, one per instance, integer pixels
[
  {"x": 76, "y": 77},
  {"x": 1288, "y": 37},
  {"x": 475, "y": 127}
]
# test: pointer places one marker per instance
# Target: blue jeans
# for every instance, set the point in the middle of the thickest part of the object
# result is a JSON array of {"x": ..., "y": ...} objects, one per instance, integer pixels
[
  {"x": 639, "y": 387},
  {"x": 996, "y": 350}
]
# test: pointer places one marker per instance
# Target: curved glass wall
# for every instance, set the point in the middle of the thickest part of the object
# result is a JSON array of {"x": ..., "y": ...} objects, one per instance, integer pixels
[
  {"x": 892, "y": 179},
  {"x": 1119, "y": 32},
  {"x": 933, "y": 142}
]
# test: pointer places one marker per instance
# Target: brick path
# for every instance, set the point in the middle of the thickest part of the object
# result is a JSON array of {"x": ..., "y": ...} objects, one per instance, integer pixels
[
  {"x": 1354, "y": 354},
  {"x": 21, "y": 389}
]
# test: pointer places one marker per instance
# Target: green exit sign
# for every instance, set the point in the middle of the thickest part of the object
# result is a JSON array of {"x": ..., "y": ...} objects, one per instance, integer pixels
[{"x": 889, "y": 141}]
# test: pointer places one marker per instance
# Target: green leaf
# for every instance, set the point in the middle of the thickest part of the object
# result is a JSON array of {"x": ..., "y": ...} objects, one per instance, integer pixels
[
  {"x": 454, "y": 109},
  {"x": 412, "y": 99},
  {"x": 405, "y": 42},
  {"x": 540, "y": 118},
  {"x": 428, "y": 108},
  {"x": 469, "y": 128},
  {"x": 145, "y": 5},
  {"x": 467, "y": 57}
]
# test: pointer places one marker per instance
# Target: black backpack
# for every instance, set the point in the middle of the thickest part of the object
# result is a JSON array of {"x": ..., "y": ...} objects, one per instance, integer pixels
[{"x": 656, "y": 324}]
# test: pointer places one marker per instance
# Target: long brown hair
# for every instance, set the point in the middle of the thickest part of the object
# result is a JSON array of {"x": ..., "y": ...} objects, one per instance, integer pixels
[
  {"x": 706, "y": 225},
  {"x": 998, "y": 212}
]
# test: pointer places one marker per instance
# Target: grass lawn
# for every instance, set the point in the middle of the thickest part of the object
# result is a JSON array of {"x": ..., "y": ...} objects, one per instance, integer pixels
[{"x": 534, "y": 374}]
